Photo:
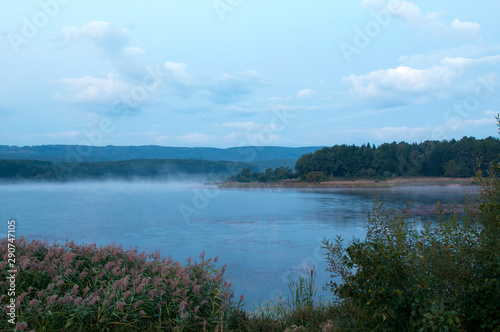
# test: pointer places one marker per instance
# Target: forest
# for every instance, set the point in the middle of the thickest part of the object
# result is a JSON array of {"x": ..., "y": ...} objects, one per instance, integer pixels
[
  {"x": 125, "y": 169},
  {"x": 427, "y": 159}
]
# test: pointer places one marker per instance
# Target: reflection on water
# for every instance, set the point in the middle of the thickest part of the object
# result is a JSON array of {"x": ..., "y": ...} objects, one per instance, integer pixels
[{"x": 264, "y": 236}]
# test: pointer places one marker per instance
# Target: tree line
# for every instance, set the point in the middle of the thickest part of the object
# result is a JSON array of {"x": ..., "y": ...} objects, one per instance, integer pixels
[
  {"x": 269, "y": 175},
  {"x": 428, "y": 159},
  {"x": 124, "y": 169}
]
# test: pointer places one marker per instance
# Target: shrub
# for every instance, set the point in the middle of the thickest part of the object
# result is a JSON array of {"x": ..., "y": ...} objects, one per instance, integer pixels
[{"x": 442, "y": 277}]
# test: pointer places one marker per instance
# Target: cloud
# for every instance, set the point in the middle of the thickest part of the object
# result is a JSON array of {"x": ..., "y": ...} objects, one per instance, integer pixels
[
  {"x": 467, "y": 27},
  {"x": 491, "y": 113},
  {"x": 305, "y": 93},
  {"x": 178, "y": 70},
  {"x": 387, "y": 83},
  {"x": 90, "y": 89},
  {"x": 134, "y": 50},
  {"x": 406, "y": 82},
  {"x": 388, "y": 134},
  {"x": 230, "y": 87},
  {"x": 249, "y": 126},
  {"x": 463, "y": 62},
  {"x": 139, "y": 83},
  {"x": 102, "y": 34},
  {"x": 196, "y": 138},
  {"x": 412, "y": 14}
]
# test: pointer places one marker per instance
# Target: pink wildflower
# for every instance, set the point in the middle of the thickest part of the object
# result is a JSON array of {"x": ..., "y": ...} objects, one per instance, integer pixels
[
  {"x": 34, "y": 303},
  {"x": 137, "y": 304},
  {"x": 21, "y": 326},
  {"x": 51, "y": 299},
  {"x": 120, "y": 305}
]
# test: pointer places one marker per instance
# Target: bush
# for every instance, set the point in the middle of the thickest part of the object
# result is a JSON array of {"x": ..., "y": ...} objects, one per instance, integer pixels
[
  {"x": 405, "y": 277},
  {"x": 83, "y": 287}
]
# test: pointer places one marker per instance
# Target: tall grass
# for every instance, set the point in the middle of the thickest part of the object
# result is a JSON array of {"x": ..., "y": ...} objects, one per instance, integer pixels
[{"x": 88, "y": 288}]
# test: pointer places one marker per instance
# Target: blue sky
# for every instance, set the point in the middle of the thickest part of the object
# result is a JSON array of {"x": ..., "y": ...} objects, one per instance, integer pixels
[{"x": 226, "y": 73}]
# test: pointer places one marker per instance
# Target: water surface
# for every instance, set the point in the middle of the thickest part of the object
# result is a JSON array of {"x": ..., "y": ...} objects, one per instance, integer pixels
[{"x": 264, "y": 236}]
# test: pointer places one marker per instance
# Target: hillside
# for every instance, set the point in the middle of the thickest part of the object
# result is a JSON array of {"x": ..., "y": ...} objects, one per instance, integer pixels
[{"x": 282, "y": 156}]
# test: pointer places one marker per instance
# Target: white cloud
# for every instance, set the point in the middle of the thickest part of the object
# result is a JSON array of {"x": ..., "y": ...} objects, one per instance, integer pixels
[
  {"x": 401, "y": 79},
  {"x": 466, "y": 27},
  {"x": 491, "y": 113},
  {"x": 89, "y": 89},
  {"x": 196, "y": 138},
  {"x": 406, "y": 82},
  {"x": 101, "y": 34},
  {"x": 305, "y": 93},
  {"x": 134, "y": 50},
  {"x": 178, "y": 70},
  {"x": 462, "y": 62},
  {"x": 412, "y": 14},
  {"x": 250, "y": 126}
]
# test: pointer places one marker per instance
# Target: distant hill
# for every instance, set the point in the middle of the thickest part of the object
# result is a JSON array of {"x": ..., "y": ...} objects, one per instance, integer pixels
[{"x": 263, "y": 156}]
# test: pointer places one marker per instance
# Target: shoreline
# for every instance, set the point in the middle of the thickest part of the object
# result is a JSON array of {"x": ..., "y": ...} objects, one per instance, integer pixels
[{"x": 355, "y": 183}]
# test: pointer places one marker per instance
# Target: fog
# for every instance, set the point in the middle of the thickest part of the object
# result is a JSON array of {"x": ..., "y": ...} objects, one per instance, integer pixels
[{"x": 174, "y": 182}]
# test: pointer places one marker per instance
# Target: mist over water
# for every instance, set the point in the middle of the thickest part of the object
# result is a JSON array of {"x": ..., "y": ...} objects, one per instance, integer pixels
[{"x": 263, "y": 235}]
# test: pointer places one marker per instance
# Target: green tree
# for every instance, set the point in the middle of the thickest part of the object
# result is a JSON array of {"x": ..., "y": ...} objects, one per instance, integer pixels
[
  {"x": 451, "y": 168},
  {"x": 315, "y": 177}
]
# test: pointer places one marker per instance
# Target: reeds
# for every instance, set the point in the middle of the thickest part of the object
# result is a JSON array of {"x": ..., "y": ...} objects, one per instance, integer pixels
[{"x": 88, "y": 288}]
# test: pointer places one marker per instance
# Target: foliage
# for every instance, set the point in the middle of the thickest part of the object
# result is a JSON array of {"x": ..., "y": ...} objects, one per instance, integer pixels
[
  {"x": 269, "y": 175},
  {"x": 430, "y": 158},
  {"x": 404, "y": 276},
  {"x": 83, "y": 287},
  {"x": 315, "y": 177}
]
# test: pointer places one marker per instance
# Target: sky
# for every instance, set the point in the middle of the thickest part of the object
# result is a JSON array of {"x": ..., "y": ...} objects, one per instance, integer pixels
[{"x": 228, "y": 73}]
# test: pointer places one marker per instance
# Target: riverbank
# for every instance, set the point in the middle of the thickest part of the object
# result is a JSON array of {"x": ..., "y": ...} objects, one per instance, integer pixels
[{"x": 354, "y": 183}]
